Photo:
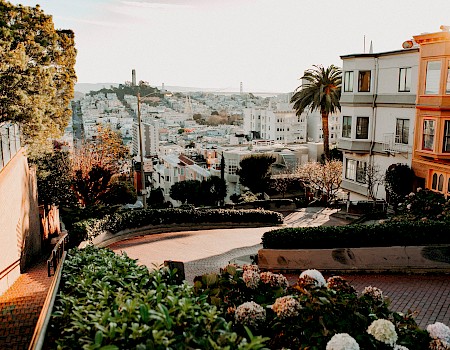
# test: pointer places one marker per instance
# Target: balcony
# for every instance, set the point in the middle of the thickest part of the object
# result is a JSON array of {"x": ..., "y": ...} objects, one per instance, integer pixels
[{"x": 394, "y": 144}]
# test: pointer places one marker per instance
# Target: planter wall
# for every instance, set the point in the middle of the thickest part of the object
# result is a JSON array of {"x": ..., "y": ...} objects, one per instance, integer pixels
[{"x": 376, "y": 259}]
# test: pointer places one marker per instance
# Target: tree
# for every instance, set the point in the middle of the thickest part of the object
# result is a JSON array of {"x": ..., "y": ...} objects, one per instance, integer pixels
[
  {"x": 89, "y": 188},
  {"x": 398, "y": 182},
  {"x": 186, "y": 191},
  {"x": 107, "y": 151},
  {"x": 37, "y": 74},
  {"x": 254, "y": 172},
  {"x": 325, "y": 178},
  {"x": 119, "y": 192},
  {"x": 320, "y": 90},
  {"x": 212, "y": 191},
  {"x": 374, "y": 177},
  {"x": 54, "y": 179},
  {"x": 282, "y": 181}
]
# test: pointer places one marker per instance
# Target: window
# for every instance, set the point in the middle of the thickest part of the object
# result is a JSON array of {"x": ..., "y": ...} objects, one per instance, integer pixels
[
  {"x": 362, "y": 127},
  {"x": 364, "y": 81},
  {"x": 447, "y": 89},
  {"x": 350, "y": 170},
  {"x": 404, "y": 81},
  {"x": 433, "y": 78},
  {"x": 440, "y": 183},
  {"x": 434, "y": 182},
  {"x": 348, "y": 81},
  {"x": 232, "y": 166},
  {"x": 402, "y": 131},
  {"x": 428, "y": 134},
  {"x": 448, "y": 185},
  {"x": 361, "y": 172},
  {"x": 446, "y": 146},
  {"x": 346, "y": 126}
]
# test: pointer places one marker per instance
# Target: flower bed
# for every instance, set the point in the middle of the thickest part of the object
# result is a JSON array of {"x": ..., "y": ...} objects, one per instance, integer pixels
[
  {"x": 88, "y": 229},
  {"x": 314, "y": 313},
  {"x": 108, "y": 302},
  {"x": 419, "y": 233}
]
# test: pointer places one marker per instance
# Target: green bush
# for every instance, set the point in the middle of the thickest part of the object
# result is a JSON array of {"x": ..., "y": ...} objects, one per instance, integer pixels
[
  {"x": 109, "y": 302},
  {"x": 306, "y": 315},
  {"x": 353, "y": 236}
]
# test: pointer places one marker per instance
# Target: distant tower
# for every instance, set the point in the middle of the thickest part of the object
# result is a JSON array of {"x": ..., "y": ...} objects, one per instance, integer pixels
[
  {"x": 133, "y": 77},
  {"x": 241, "y": 90},
  {"x": 188, "y": 107},
  {"x": 162, "y": 87}
]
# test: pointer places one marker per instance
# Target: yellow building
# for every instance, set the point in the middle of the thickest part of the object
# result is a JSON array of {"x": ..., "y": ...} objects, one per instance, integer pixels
[{"x": 431, "y": 152}]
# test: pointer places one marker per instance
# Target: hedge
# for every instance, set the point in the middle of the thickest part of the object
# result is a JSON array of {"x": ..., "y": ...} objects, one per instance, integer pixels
[
  {"x": 119, "y": 221},
  {"x": 109, "y": 302},
  {"x": 353, "y": 236}
]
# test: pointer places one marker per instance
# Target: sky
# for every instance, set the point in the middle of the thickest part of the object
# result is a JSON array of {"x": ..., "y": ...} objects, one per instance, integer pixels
[{"x": 265, "y": 44}]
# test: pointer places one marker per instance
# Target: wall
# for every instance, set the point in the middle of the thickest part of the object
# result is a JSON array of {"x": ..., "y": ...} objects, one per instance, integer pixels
[{"x": 19, "y": 219}]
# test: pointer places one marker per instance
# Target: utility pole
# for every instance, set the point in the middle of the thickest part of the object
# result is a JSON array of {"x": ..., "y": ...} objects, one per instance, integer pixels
[{"x": 141, "y": 150}]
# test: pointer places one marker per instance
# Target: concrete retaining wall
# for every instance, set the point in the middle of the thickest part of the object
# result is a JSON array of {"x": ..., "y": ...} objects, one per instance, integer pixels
[{"x": 376, "y": 259}]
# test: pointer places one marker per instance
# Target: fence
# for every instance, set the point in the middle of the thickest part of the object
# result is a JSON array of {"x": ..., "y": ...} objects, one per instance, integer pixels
[{"x": 9, "y": 142}]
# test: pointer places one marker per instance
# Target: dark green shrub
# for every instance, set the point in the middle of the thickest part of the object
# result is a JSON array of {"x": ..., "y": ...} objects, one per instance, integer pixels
[
  {"x": 353, "y": 236},
  {"x": 109, "y": 302},
  {"x": 121, "y": 192}
]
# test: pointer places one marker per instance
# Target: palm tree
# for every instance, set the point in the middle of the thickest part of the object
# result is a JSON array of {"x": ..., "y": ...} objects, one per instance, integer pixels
[{"x": 320, "y": 89}]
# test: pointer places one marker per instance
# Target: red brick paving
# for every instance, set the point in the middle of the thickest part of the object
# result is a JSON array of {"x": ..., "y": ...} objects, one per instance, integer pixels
[
  {"x": 426, "y": 295},
  {"x": 20, "y": 307}
]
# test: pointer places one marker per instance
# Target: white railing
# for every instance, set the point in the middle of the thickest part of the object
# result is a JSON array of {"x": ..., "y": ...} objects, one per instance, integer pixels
[
  {"x": 9, "y": 142},
  {"x": 394, "y": 144}
]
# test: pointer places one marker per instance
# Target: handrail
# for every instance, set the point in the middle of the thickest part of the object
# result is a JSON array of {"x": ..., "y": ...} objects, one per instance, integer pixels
[
  {"x": 6, "y": 271},
  {"x": 37, "y": 341},
  {"x": 56, "y": 254}
]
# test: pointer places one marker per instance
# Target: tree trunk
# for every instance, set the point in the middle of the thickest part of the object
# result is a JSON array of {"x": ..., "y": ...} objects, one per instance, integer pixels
[{"x": 326, "y": 135}]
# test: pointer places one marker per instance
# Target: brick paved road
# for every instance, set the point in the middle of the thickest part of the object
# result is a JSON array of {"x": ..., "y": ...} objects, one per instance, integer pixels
[{"x": 20, "y": 307}]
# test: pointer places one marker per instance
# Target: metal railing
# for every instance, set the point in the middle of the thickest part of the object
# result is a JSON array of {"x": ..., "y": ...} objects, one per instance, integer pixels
[
  {"x": 56, "y": 255},
  {"x": 9, "y": 142}
]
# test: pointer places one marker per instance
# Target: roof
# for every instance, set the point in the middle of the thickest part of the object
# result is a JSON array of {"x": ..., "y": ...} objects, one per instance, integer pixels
[{"x": 386, "y": 53}]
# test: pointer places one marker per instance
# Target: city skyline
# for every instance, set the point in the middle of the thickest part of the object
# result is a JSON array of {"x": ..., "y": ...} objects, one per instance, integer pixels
[{"x": 265, "y": 44}]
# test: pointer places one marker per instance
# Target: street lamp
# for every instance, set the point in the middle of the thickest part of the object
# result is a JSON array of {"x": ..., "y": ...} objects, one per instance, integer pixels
[{"x": 141, "y": 146}]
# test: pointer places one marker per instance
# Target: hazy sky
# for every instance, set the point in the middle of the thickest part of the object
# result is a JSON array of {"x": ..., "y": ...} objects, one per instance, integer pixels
[{"x": 266, "y": 44}]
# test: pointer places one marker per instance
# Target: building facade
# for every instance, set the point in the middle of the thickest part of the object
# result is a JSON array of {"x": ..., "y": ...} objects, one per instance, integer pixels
[
  {"x": 431, "y": 156},
  {"x": 377, "y": 118}
]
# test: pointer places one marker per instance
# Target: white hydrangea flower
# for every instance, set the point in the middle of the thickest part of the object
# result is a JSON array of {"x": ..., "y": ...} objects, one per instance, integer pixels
[
  {"x": 250, "y": 314},
  {"x": 408, "y": 206},
  {"x": 400, "y": 347},
  {"x": 342, "y": 341},
  {"x": 419, "y": 189},
  {"x": 316, "y": 276},
  {"x": 251, "y": 279},
  {"x": 412, "y": 194},
  {"x": 373, "y": 292},
  {"x": 439, "y": 331},
  {"x": 383, "y": 331},
  {"x": 286, "y": 306}
]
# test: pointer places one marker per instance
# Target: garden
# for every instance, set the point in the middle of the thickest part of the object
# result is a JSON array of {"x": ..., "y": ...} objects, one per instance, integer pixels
[{"x": 108, "y": 301}]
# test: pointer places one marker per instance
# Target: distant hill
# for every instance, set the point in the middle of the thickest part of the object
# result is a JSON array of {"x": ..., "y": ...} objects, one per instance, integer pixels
[{"x": 88, "y": 87}]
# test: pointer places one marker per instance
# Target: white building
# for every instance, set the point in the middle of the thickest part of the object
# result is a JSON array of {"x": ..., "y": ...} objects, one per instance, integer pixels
[
  {"x": 378, "y": 113},
  {"x": 150, "y": 137}
]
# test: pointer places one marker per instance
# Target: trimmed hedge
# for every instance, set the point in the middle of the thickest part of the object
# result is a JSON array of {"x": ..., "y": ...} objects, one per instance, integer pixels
[
  {"x": 388, "y": 234},
  {"x": 119, "y": 221}
]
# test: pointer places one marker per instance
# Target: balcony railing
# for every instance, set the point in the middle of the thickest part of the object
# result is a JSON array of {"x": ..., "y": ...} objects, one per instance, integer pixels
[
  {"x": 9, "y": 142},
  {"x": 393, "y": 143}
]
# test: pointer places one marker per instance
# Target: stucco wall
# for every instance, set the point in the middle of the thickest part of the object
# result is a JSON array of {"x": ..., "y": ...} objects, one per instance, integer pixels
[{"x": 19, "y": 219}]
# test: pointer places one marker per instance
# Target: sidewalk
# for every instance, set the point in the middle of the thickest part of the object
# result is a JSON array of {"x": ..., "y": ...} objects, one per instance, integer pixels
[{"x": 20, "y": 307}]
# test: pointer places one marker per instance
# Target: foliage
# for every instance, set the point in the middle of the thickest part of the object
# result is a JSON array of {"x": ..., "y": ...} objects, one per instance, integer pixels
[
  {"x": 127, "y": 89},
  {"x": 306, "y": 315},
  {"x": 156, "y": 198},
  {"x": 398, "y": 182},
  {"x": 119, "y": 192},
  {"x": 423, "y": 205},
  {"x": 107, "y": 151},
  {"x": 119, "y": 221},
  {"x": 208, "y": 192},
  {"x": 325, "y": 178},
  {"x": 320, "y": 90},
  {"x": 54, "y": 179},
  {"x": 395, "y": 233},
  {"x": 91, "y": 187},
  {"x": 185, "y": 191},
  {"x": 283, "y": 181},
  {"x": 37, "y": 74},
  {"x": 110, "y": 302},
  {"x": 254, "y": 172}
]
